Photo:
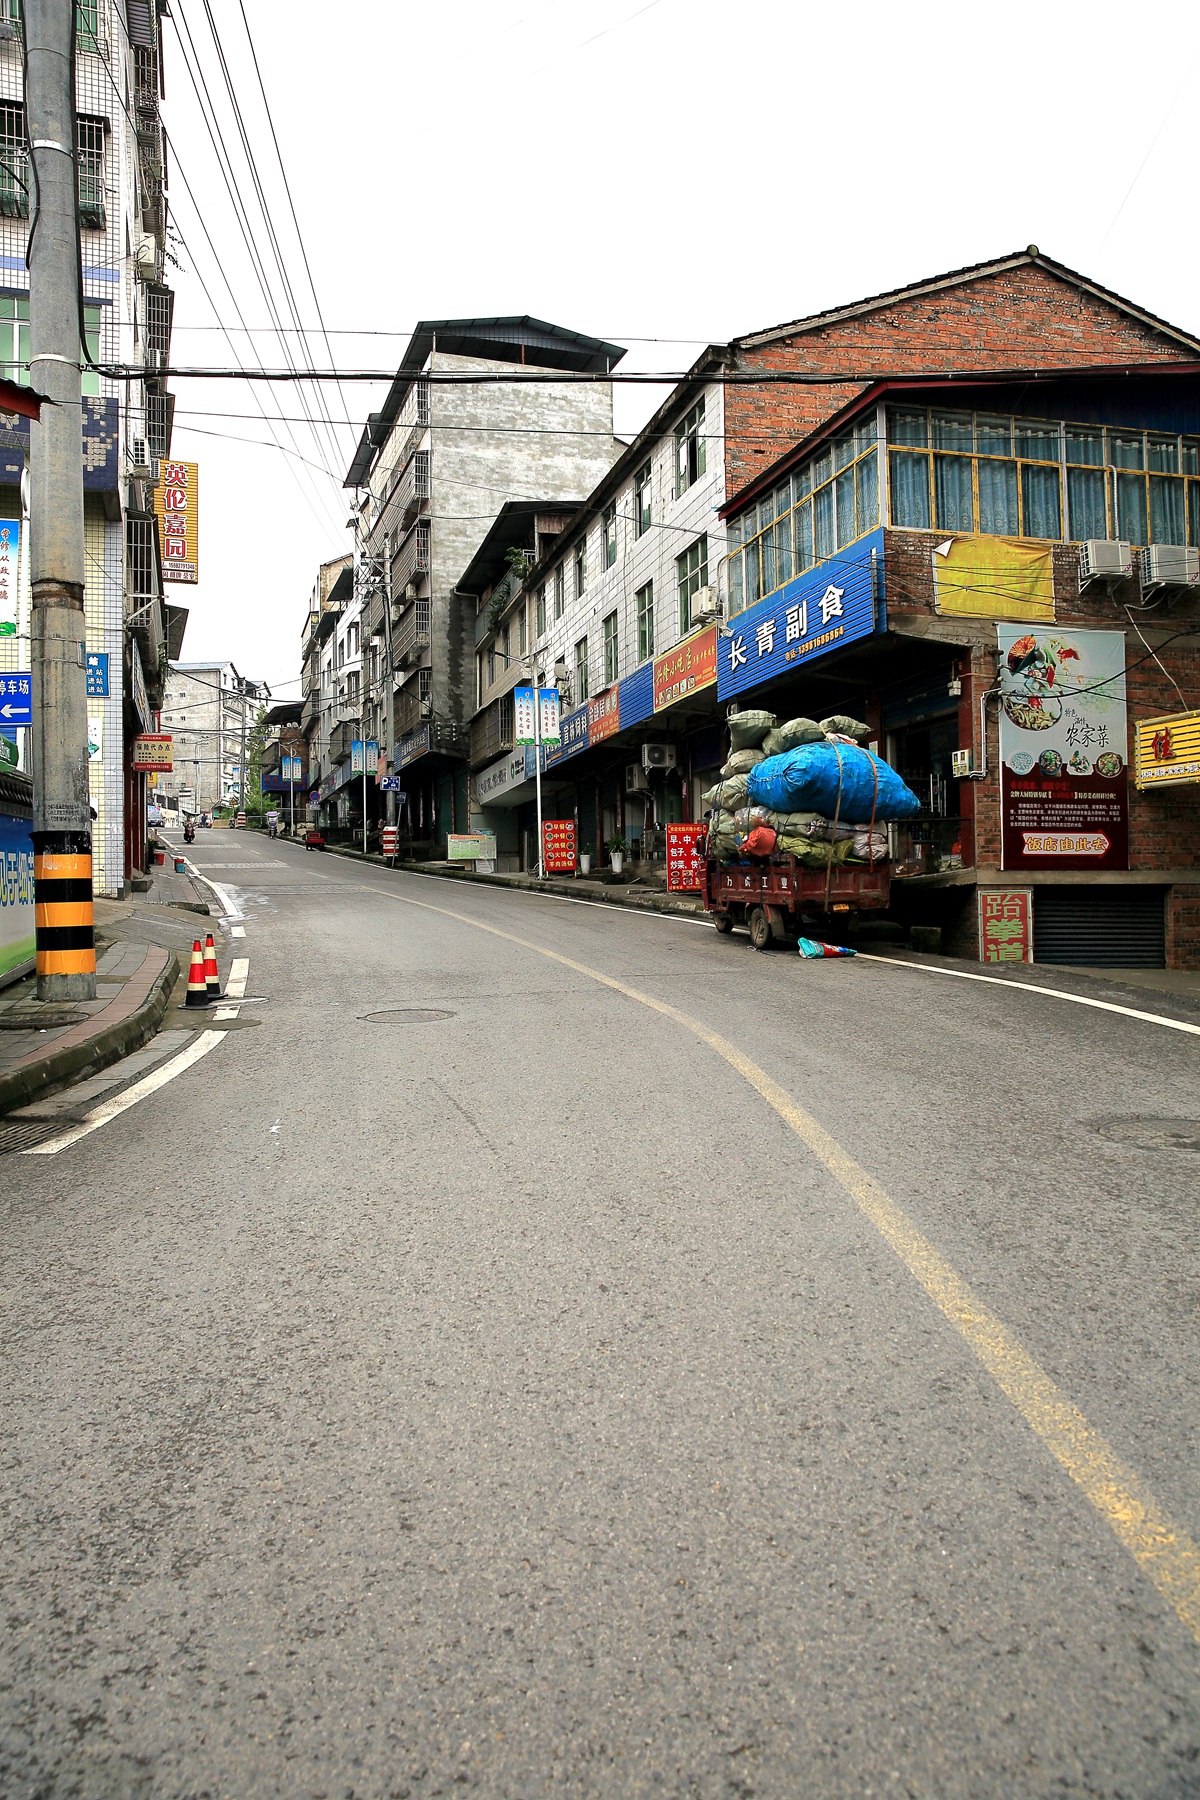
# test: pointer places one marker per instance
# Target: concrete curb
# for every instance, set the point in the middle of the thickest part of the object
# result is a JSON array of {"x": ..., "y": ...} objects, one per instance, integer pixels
[
  {"x": 21, "y": 1085},
  {"x": 641, "y": 900}
]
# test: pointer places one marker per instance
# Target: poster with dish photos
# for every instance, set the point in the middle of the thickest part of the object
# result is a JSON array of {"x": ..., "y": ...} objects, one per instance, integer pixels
[{"x": 1064, "y": 777}]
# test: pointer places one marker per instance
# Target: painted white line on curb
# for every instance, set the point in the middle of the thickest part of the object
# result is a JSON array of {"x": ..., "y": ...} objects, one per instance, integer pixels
[
  {"x": 149, "y": 1084},
  {"x": 239, "y": 970},
  {"x": 229, "y": 905},
  {"x": 1033, "y": 987},
  {"x": 613, "y": 906}
]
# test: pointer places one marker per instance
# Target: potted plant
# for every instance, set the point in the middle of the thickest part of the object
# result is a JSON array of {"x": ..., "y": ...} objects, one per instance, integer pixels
[
  {"x": 585, "y": 859},
  {"x": 616, "y": 849}
]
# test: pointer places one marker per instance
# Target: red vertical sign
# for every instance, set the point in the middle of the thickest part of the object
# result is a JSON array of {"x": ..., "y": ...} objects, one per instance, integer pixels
[
  {"x": 558, "y": 846},
  {"x": 685, "y": 858}
]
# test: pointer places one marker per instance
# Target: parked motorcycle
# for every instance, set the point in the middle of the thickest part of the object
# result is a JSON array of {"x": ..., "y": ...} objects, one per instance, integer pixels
[{"x": 189, "y": 833}]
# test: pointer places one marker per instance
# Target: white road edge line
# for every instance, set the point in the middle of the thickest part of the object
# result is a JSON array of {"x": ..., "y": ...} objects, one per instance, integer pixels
[
  {"x": 149, "y": 1084},
  {"x": 614, "y": 906},
  {"x": 1033, "y": 987},
  {"x": 229, "y": 905},
  {"x": 239, "y": 971}
]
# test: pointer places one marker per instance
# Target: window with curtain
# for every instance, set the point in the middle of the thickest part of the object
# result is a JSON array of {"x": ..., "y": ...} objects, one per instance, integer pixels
[
  {"x": 611, "y": 669},
  {"x": 691, "y": 574},
  {"x": 645, "y": 621},
  {"x": 581, "y": 671}
]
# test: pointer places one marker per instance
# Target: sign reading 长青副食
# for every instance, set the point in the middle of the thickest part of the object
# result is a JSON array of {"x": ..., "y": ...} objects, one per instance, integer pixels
[{"x": 834, "y": 603}]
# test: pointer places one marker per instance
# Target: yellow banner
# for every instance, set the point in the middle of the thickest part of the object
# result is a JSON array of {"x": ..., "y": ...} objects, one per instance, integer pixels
[
  {"x": 177, "y": 507},
  {"x": 1167, "y": 751},
  {"x": 995, "y": 578}
]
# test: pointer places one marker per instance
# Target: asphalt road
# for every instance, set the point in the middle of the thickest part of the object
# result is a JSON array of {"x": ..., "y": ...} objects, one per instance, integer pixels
[{"x": 516, "y": 1401}]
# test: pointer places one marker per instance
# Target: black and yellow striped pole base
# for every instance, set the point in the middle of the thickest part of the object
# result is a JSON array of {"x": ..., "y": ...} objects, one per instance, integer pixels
[{"x": 62, "y": 900}]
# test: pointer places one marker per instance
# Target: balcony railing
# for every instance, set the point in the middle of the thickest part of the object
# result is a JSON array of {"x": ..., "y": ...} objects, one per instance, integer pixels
[
  {"x": 492, "y": 730},
  {"x": 412, "y": 557},
  {"x": 340, "y": 739},
  {"x": 412, "y": 633},
  {"x": 144, "y": 604}
]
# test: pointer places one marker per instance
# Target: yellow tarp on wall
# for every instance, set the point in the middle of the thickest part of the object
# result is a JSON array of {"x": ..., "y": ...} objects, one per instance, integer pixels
[{"x": 995, "y": 578}]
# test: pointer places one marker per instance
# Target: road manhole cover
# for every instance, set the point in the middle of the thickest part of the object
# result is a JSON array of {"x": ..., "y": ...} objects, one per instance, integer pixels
[
  {"x": 408, "y": 1015},
  {"x": 1152, "y": 1134}
]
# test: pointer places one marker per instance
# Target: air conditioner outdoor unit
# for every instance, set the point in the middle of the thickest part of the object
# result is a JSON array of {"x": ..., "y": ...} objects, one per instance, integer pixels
[
  {"x": 658, "y": 756},
  {"x": 636, "y": 779},
  {"x": 702, "y": 609},
  {"x": 147, "y": 257},
  {"x": 410, "y": 590},
  {"x": 1170, "y": 565},
  {"x": 1101, "y": 558},
  {"x": 560, "y": 671}
]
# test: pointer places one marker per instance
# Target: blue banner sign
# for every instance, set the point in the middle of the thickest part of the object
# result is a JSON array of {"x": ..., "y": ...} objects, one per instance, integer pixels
[
  {"x": 97, "y": 674},
  {"x": 823, "y": 609},
  {"x": 16, "y": 698},
  {"x": 573, "y": 737}
]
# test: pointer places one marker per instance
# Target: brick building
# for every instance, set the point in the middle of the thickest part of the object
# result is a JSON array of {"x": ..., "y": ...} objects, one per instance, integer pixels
[{"x": 1014, "y": 472}]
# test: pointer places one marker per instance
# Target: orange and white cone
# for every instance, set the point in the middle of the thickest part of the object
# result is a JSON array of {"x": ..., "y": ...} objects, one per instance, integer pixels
[
  {"x": 197, "y": 987},
  {"x": 212, "y": 977}
]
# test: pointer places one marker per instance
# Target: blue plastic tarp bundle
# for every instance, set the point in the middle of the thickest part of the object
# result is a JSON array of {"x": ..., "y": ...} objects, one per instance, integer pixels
[{"x": 840, "y": 781}]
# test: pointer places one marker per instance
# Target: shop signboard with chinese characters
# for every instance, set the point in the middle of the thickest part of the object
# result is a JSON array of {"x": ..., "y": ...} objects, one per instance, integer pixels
[
  {"x": 177, "y": 504},
  {"x": 604, "y": 715},
  {"x": 1064, "y": 780},
  {"x": 10, "y": 555},
  {"x": 558, "y": 846},
  {"x": 411, "y": 747},
  {"x": 96, "y": 669},
  {"x": 685, "y": 858},
  {"x": 828, "y": 606},
  {"x": 152, "y": 752},
  {"x": 17, "y": 921},
  {"x": 688, "y": 668},
  {"x": 573, "y": 737},
  {"x": 1005, "y": 925},
  {"x": 1167, "y": 751}
]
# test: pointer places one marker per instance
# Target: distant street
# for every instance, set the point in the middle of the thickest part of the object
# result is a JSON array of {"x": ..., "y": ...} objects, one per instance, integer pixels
[{"x": 529, "y": 1395}]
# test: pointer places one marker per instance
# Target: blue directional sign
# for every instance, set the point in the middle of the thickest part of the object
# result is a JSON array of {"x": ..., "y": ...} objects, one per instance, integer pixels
[
  {"x": 16, "y": 698},
  {"x": 97, "y": 674}
]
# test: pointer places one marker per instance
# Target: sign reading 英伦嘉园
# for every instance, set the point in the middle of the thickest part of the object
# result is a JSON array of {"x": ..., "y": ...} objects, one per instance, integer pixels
[
  {"x": 1064, "y": 794},
  {"x": 176, "y": 504}
]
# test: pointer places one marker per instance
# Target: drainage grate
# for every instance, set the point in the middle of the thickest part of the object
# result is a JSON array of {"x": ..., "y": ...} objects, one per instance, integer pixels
[
  {"x": 408, "y": 1015},
  {"x": 1152, "y": 1134},
  {"x": 22, "y": 1134}
]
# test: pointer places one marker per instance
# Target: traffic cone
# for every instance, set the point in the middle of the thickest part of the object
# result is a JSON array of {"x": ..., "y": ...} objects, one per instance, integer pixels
[
  {"x": 212, "y": 976},
  {"x": 197, "y": 987}
]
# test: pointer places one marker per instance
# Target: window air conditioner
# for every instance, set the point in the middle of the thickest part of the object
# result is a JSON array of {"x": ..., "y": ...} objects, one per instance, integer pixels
[
  {"x": 1170, "y": 565},
  {"x": 636, "y": 779},
  {"x": 1101, "y": 558},
  {"x": 702, "y": 609},
  {"x": 658, "y": 756}
]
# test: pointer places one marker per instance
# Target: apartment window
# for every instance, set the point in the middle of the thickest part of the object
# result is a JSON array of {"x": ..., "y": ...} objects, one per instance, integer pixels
[
  {"x": 611, "y": 670},
  {"x": 87, "y": 24},
  {"x": 645, "y": 621},
  {"x": 89, "y": 140},
  {"x": 689, "y": 449},
  {"x": 581, "y": 568},
  {"x": 691, "y": 574},
  {"x": 504, "y": 653},
  {"x": 641, "y": 500},
  {"x": 14, "y": 162},
  {"x": 610, "y": 534},
  {"x": 523, "y": 629},
  {"x": 560, "y": 585},
  {"x": 830, "y": 500},
  {"x": 541, "y": 611},
  {"x": 581, "y": 671}
]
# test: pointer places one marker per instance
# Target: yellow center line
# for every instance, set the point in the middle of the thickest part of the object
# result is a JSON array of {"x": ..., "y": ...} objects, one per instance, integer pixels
[{"x": 1162, "y": 1549}]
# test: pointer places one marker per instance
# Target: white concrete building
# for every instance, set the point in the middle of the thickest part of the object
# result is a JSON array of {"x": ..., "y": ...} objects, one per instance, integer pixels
[{"x": 204, "y": 710}]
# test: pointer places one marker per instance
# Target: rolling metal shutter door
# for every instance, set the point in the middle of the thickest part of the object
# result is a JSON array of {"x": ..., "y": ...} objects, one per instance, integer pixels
[{"x": 1101, "y": 927}]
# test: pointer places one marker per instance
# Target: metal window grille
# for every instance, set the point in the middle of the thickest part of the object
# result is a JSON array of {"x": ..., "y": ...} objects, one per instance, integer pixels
[
  {"x": 89, "y": 138},
  {"x": 14, "y": 162},
  {"x": 159, "y": 411},
  {"x": 160, "y": 308}
]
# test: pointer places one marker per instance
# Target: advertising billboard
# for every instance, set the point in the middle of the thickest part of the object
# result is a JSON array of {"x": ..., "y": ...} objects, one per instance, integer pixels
[{"x": 177, "y": 507}]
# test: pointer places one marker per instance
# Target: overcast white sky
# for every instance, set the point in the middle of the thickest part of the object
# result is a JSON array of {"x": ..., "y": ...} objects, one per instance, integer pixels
[{"x": 671, "y": 170}]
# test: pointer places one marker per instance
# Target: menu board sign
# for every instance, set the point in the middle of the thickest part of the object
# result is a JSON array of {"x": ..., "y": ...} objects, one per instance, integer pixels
[
  {"x": 1064, "y": 780},
  {"x": 558, "y": 846},
  {"x": 685, "y": 858}
]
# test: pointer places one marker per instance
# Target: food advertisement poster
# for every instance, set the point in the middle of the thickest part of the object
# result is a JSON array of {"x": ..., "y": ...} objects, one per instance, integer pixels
[
  {"x": 1064, "y": 777},
  {"x": 558, "y": 846},
  {"x": 1005, "y": 926},
  {"x": 685, "y": 858}
]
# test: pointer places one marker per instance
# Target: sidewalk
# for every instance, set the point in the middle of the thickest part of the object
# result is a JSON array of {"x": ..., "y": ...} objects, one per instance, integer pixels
[{"x": 142, "y": 943}]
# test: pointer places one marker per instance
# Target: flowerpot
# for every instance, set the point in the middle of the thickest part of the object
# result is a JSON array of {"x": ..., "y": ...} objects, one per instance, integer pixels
[
  {"x": 618, "y": 862},
  {"x": 585, "y": 864}
]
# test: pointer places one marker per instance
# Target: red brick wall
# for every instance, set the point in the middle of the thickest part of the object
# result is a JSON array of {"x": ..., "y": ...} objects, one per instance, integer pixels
[
  {"x": 1025, "y": 318},
  {"x": 1164, "y": 827}
]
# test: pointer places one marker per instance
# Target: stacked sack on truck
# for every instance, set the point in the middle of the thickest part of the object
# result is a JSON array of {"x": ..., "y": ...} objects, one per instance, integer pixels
[{"x": 809, "y": 789}]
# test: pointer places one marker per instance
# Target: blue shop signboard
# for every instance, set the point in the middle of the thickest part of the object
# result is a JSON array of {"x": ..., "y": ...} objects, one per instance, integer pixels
[
  {"x": 573, "y": 737},
  {"x": 830, "y": 605}
]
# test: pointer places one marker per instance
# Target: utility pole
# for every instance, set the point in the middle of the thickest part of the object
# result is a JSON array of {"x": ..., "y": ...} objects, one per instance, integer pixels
[
  {"x": 242, "y": 685},
  {"x": 62, "y": 813}
]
